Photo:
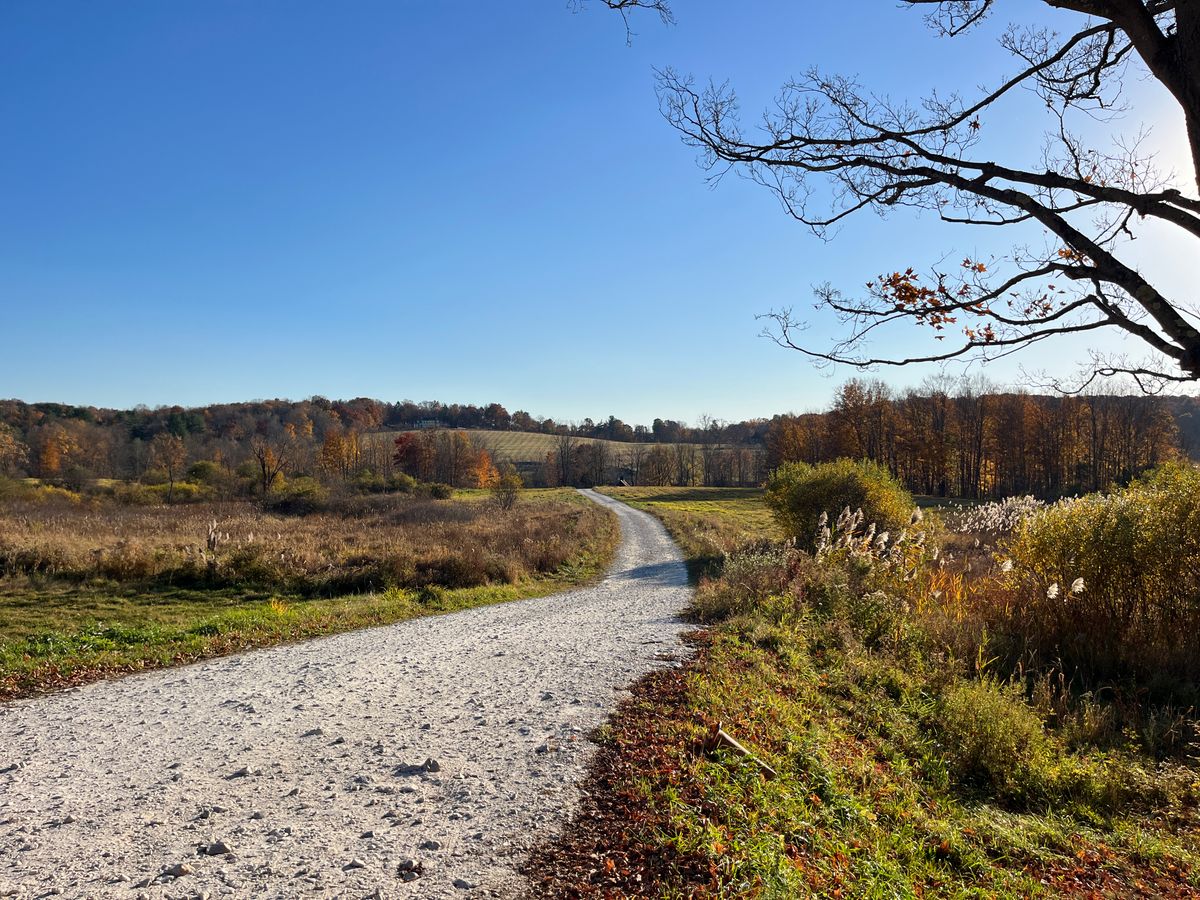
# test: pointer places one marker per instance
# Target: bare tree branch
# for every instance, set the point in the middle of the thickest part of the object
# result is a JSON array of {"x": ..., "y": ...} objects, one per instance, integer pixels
[
  {"x": 627, "y": 7},
  {"x": 828, "y": 149}
]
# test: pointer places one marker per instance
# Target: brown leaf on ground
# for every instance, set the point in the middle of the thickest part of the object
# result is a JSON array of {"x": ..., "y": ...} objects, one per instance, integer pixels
[{"x": 607, "y": 850}]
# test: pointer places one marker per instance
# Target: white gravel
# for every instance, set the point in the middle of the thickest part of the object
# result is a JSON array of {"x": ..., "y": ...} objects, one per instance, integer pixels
[{"x": 295, "y": 756}]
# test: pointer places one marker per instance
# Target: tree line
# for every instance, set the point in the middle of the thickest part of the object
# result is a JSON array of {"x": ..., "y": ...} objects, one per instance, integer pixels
[
  {"x": 705, "y": 461},
  {"x": 964, "y": 438},
  {"x": 969, "y": 440}
]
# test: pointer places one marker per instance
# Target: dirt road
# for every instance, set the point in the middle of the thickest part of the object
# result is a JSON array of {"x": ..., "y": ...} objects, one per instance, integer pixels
[{"x": 419, "y": 759}]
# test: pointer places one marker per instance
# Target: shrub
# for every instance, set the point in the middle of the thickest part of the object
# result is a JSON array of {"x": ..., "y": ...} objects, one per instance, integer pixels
[
  {"x": 205, "y": 471},
  {"x": 441, "y": 491},
  {"x": 506, "y": 489},
  {"x": 183, "y": 492},
  {"x": 1110, "y": 584},
  {"x": 994, "y": 741},
  {"x": 298, "y": 497},
  {"x": 403, "y": 483},
  {"x": 369, "y": 482},
  {"x": 56, "y": 496},
  {"x": 135, "y": 494},
  {"x": 798, "y": 494},
  {"x": 748, "y": 578},
  {"x": 13, "y": 489}
]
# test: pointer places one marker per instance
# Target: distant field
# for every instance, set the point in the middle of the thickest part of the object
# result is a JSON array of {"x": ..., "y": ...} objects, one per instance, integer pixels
[
  {"x": 708, "y": 522},
  {"x": 530, "y": 446},
  {"x": 740, "y": 508}
]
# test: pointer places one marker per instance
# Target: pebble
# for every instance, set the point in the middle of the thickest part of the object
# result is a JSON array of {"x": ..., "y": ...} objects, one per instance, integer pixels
[
  {"x": 354, "y": 864},
  {"x": 430, "y": 765},
  {"x": 179, "y": 870},
  {"x": 217, "y": 848}
]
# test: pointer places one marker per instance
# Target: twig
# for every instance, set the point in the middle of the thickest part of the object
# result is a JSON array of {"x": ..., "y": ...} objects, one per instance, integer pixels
[{"x": 719, "y": 738}]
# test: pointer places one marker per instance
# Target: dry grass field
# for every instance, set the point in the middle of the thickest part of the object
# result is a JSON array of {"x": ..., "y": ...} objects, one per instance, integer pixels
[{"x": 89, "y": 587}]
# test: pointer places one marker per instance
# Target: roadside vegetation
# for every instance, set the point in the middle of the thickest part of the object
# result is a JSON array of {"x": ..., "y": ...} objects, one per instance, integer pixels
[
  {"x": 986, "y": 702},
  {"x": 91, "y": 586}
]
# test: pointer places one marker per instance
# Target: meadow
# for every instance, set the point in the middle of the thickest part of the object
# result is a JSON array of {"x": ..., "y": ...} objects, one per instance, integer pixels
[
  {"x": 91, "y": 587},
  {"x": 926, "y": 742}
]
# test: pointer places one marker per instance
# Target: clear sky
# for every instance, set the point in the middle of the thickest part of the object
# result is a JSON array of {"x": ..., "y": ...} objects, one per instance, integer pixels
[{"x": 218, "y": 200}]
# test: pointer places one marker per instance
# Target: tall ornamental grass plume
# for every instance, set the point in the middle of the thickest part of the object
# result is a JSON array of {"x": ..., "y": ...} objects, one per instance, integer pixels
[
  {"x": 799, "y": 495},
  {"x": 996, "y": 518},
  {"x": 1109, "y": 584}
]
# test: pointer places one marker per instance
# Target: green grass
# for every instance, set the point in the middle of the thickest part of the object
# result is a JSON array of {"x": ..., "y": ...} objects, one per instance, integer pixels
[
  {"x": 708, "y": 523},
  {"x": 898, "y": 774},
  {"x": 742, "y": 509},
  {"x": 56, "y": 633}
]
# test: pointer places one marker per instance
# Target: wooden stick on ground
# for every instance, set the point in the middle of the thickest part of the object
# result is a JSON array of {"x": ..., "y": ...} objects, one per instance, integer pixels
[{"x": 718, "y": 737}]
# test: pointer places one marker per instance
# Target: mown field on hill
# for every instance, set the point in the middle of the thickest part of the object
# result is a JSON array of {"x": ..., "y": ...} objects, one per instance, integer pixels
[{"x": 531, "y": 446}]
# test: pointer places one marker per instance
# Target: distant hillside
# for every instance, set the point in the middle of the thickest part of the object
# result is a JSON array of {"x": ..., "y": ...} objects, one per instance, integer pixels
[
  {"x": 532, "y": 447},
  {"x": 551, "y": 460}
]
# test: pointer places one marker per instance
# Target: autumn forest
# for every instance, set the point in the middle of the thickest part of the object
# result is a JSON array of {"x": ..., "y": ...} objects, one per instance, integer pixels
[{"x": 961, "y": 439}]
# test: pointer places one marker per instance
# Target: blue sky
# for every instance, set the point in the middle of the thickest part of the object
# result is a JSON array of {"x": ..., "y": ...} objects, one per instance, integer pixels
[{"x": 220, "y": 200}]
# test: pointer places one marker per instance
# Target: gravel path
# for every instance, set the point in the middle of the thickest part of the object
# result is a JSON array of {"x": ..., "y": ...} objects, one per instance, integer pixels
[{"x": 302, "y": 770}]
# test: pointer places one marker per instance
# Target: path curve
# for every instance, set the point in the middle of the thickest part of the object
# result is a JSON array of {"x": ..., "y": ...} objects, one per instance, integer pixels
[{"x": 295, "y": 757}]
